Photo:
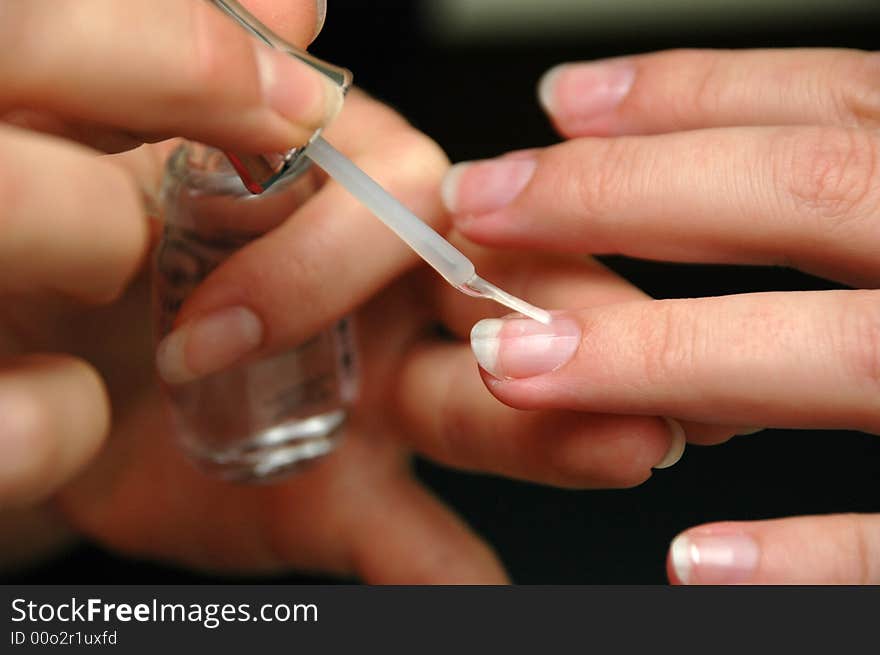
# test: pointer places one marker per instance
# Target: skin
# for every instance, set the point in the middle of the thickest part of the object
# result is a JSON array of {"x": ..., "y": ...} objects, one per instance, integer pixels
[
  {"x": 88, "y": 449},
  {"x": 758, "y": 157}
]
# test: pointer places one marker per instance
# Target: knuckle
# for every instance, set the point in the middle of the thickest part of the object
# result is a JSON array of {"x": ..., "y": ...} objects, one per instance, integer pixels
[
  {"x": 829, "y": 173},
  {"x": 860, "y": 340},
  {"x": 594, "y": 187},
  {"x": 416, "y": 154},
  {"x": 858, "y": 539},
  {"x": 858, "y": 96},
  {"x": 669, "y": 342},
  {"x": 216, "y": 50},
  {"x": 709, "y": 87}
]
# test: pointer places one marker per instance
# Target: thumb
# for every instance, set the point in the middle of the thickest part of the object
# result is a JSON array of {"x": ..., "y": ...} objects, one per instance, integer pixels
[{"x": 838, "y": 549}]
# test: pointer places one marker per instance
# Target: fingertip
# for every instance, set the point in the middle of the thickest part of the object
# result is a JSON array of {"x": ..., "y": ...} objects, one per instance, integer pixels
[
  {"x": 547, "y": 89},
  {"x": 450, "y": 185},
  {"x": 321, "y": 9},
  {"x": 679, "y": 560},
  {"x": 299, "y": 94},
  {"x": 54, "y": 416},
  {"x": 676, "y": 445},
  {"x": 718, "y": 554},
  {"x": 581, "y": 98},
  {"x": 517, "y": 347}
]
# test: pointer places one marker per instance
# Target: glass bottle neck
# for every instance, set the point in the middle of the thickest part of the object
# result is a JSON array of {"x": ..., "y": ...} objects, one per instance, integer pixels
[{"x": 203, "y": 193}]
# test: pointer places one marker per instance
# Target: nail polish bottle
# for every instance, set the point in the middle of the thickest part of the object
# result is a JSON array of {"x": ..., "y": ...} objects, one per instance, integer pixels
[{"x": 265, "y": 417}]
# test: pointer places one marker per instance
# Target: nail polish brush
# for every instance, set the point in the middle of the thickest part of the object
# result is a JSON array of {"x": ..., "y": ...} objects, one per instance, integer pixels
[{"x": 445, "y": 258}]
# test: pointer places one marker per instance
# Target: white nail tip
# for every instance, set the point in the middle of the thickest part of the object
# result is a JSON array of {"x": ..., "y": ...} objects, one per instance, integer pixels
[
  {"x": 449, "y": 186},
  {"x": 170, "y": 361},
  {"x": 682, "y": 558},
  {"x": 266, "y": 68},
  {"x": 546, "y": 88},
  {"x": 485, "y": 343},
  {"x": 321, "y": 15},
  {"x": 676, "y": 448}
]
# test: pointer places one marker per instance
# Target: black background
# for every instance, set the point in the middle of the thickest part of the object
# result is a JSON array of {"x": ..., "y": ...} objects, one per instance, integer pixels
[{"x": 478, "y": 101}]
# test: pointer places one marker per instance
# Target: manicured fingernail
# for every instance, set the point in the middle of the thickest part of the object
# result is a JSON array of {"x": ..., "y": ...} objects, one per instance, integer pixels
[
  {"x": 208, "y": 344},
  {"x": 579, "y": 93},
  {"x": 515, "y": 348},
  {"x": 714, "y": 558},
  {"x": 676, "y": 446},
  {"x": 297, "y": 92},
  {"x": 321, "y": 9},
  {"x": 486, "y": 186}
]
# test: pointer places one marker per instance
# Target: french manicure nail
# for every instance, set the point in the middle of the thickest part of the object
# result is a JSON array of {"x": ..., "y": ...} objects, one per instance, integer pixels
[
  {"x": 297, "y": 92},
  {"x": 714, "y": 558},
  {"x": 321, "y": 13},
  {"x": 208, "y": 344},
  {"x": 485, "y": 186},
  {"x": 580, "y": 93},
  {"x": 515, "y": 348},
  {"x": 676, "y": 446}
]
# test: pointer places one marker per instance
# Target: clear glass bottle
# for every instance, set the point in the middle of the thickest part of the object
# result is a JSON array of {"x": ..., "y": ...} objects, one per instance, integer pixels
[{"x": 266, "y": 417}]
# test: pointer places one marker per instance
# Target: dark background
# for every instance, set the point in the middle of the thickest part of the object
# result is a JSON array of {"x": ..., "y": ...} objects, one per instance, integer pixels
[{"x": 476, "y": 98}]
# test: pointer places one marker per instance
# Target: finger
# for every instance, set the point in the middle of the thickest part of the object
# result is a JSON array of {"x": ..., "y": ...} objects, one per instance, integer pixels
[
  {"x": 331, "y": 256},
  {"x": 807, "y": 197},
  {"x": 553, "y": 282},
  {"x": 93, "y": 136},
  {"x": 164, "y": 67},
  {"x": 353, "y": 513},
  {"x": 690, "y": 89},
  {"x": 777, "y": 359},
  {"x": 840, "y": 549},
  {"x": 72, "y": 222},
  {"x": 448, "y": 415},
  {"x": 299, "y": 21},
  {"x": 54, "y": 415},
  {"x": 549, "y": 281},
  {"x": 409, "y": 537}
]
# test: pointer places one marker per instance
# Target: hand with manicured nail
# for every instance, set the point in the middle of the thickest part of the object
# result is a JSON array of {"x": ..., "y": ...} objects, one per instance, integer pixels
[{"x": 762, "y": 157}]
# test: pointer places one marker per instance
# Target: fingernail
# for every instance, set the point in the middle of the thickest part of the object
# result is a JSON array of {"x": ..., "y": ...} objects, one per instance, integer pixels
[
  {"x": 676, "y": 447},
  {"x": 208, "y": 344},
  {"x": 515, "y": 348},
  {"x": 714, "y": 558},
  {"x": 580, "y": 93},
  {"x": 321, "y": 9},
  {"x": 297, "y": 92},
  {"x": 485, "y": 186}
]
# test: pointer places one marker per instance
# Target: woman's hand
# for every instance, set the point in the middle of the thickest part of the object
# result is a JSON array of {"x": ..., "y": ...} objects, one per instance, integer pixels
[
  {"x": 108, "y": 76},
  {"x": 76, "y": 232},
  {"x": 764, "y": 157}
]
